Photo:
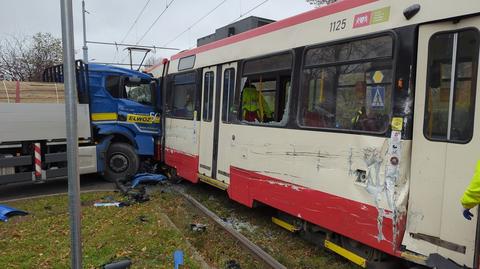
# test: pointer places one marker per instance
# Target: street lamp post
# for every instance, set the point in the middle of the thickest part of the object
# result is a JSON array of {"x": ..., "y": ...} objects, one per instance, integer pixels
[
  {"x": 72, "y": 134},
  {"x": 84, "y": 48}
]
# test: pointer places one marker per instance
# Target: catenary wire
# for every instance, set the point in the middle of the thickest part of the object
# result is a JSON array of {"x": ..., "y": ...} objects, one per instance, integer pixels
[
  {"x": 135, "y": 21},
  {"x": 154, "y": 22},
  {"x": 249, "y": 11},
  {"x": 195, "y": 23}
]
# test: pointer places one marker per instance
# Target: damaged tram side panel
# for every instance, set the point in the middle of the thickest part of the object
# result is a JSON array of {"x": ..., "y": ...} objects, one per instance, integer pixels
[{"x": 376, "y": 145}]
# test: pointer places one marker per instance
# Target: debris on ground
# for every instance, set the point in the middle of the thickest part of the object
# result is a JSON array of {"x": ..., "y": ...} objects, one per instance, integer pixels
[
  {"x": 239, "y": 225},
  {"x": 117, "y": 204},
  {"x": 7, "y": 212},
  {"x": 147, "y": 178},
  {"x": 143, "y": 218},
  {"x": 178, "y": 258},
  {"x": 232, "y": 264},
  {"x": 134, "y": 188},
  {"x": 198, "y": 227},
  {"x": 123, "y": 264}
]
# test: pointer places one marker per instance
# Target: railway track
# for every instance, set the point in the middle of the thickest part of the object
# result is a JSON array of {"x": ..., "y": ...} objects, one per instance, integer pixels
[{"x": 249, "y": 245}]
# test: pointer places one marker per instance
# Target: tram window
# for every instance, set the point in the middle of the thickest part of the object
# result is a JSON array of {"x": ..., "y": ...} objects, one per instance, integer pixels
[
  {"x": 182, "y": 96},
  {"x": 345, "y": 95},
  {"x": 450, "y": 103},
  {"x": 228, "y": 109},
  {"x": 208, "y": 96},
  {"x": 265, "y": 87}
]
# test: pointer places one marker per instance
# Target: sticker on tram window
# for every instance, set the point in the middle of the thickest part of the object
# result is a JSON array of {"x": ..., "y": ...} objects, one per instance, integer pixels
[
  {"x": 371, "y": 17},
  {"x": 397, "y": 124},
  {"x": 378, "y": 97}
]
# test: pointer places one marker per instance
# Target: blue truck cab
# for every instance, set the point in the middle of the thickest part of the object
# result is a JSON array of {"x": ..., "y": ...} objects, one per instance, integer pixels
[{"x": 125, "y": 118}]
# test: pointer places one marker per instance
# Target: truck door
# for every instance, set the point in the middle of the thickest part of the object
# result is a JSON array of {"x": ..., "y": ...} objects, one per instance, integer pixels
[
  {"x": 138, "y": 105},
  {"x": 446, "y": 139},
  {"x": 207, "y": 124}
]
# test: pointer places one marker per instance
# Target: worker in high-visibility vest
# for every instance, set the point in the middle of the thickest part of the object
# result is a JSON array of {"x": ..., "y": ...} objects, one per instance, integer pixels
[
  {"x": 254, "y": 106},
  {"x": 471, "y": 197}
]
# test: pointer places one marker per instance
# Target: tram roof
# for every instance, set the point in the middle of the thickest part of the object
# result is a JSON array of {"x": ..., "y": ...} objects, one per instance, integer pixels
[{"x": 430, "y": 10}]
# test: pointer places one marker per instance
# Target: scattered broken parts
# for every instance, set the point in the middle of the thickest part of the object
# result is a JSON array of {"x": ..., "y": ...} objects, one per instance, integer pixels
[
  {"x": 198, "y": 227},
  {"x": 8, "y": 212}
]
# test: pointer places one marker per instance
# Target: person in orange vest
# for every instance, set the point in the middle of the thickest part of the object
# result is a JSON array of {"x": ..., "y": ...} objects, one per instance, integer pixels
[
  {"x": 254, "y": 106},
  {"x": 471, "y": 196}
]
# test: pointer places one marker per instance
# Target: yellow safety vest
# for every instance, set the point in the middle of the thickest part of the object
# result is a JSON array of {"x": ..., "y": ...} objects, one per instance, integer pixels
[
  {"x": 250, "y": 99},
  {"x": 471, "y": 197}
]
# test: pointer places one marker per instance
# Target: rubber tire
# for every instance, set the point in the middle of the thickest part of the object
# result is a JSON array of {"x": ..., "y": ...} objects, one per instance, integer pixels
[{"x": 133, "y": 162}]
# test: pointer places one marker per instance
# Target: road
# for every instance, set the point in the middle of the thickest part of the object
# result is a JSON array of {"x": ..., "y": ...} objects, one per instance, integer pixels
[{"x": 25, "y": 190}]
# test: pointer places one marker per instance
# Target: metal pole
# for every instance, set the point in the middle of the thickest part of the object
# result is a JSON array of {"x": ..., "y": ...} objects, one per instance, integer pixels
[
  {"x": 72, "y": 135},
  {"x": 85, "y": 48},
  {"x": 131, "y": 62}
]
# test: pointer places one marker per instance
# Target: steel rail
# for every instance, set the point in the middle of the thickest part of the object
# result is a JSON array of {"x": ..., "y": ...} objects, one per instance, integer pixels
[{"x": 256, "y": 250}]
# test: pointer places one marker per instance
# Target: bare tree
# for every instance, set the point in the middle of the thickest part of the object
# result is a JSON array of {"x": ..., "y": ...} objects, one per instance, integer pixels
[
  {"x": 25, "y": 58},
  {"x": 319, "y": 3}
]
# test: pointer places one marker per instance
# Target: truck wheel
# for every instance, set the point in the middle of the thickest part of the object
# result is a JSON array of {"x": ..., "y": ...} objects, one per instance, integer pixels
[{"x": 122, "y": 162}]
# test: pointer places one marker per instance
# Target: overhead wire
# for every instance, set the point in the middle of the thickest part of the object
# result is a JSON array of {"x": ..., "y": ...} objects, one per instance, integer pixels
[
  {"x": 151, "y": 25},
  {"x": 250, "y": 11},
  {"x": 131, "y": 28},
  {"x": 135, "y": 21},
  {"x": 196, "y": 22},
  {"x": 155, "y": 21}
]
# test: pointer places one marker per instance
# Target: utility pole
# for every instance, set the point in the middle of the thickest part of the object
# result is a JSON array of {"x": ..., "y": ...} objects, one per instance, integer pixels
[
  {"x": 84, "y": 48},
  {"x": 69, "y": 69}
]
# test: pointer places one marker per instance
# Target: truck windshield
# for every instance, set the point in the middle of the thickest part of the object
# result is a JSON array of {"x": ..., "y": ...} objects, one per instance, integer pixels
[{"x": 140, "y": 92}]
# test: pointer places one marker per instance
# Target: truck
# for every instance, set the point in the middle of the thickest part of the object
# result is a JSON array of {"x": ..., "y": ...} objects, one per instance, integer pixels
[{"x": 118, "y": 119}]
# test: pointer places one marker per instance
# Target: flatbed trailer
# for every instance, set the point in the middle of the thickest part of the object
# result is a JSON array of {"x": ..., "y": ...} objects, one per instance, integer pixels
[
  {"x": 24, "y": 125},
  {"x": 116, "y": 118}
]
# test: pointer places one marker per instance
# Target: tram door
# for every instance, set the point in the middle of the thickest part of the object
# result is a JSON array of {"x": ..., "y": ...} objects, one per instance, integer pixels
[
  {"x": 218, "y": 95},
  {"x": 446, "y": 140},
  {"x": 207, "y": 124}
]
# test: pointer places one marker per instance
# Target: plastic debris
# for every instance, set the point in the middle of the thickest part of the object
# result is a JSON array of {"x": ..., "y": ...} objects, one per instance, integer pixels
[
  {"x": 134, "y": 189},
  {"x": 198, "y": 227},
  {"x": 178, "y": 258},
  {"x": 232, "y": 264},
  {"x": 117, "y": 204},
  {"x": 147, "y": 178},
  {"x": 143, "y": 218},
  {"x": 123, "y": 264},
  {"x": 8, "y": 212}
]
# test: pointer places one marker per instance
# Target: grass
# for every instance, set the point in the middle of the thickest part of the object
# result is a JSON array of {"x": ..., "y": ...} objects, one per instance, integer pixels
[
  {"x": 149, "y": 233},
  {"x": 42, "y": 240},
  {"x": 289, "y": 249},
  {"x": 215, "y": 245}
]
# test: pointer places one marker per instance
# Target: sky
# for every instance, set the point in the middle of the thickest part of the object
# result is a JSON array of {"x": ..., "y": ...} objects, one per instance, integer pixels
[{"x": 110, "y": 20}]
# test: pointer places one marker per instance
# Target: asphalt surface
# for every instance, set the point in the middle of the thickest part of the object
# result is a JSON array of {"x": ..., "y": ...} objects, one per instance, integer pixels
[{"x": 25, "y": 190}]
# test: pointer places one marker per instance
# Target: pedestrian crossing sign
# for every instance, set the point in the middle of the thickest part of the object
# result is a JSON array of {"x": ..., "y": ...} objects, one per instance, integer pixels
[{"x": 377, "y": 94}]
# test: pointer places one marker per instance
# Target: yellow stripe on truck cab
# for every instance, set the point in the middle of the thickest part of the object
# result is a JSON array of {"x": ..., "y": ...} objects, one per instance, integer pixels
[{"x": 104, "y": 116}]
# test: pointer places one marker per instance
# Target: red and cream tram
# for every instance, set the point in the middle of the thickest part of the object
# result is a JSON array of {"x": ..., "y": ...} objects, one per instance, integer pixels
[{"x": 359, "y": 121}]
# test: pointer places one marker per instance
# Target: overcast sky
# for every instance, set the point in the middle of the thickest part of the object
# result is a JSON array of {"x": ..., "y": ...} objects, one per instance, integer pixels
[{"x": 109, "y": 21}]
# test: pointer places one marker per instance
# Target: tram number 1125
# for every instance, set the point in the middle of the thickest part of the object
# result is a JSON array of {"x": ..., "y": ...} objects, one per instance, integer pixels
[{"x": 338, "y": 25}]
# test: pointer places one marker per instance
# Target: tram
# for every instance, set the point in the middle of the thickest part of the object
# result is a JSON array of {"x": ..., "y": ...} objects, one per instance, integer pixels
[{"x": 358, "y": 121}]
